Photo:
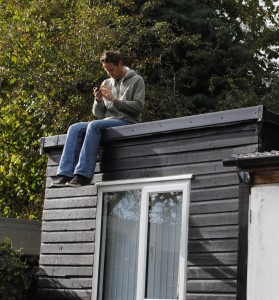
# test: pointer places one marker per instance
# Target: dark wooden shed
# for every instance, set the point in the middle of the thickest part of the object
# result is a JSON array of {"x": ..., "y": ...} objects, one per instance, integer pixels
[{"x": 187, "y": 151}]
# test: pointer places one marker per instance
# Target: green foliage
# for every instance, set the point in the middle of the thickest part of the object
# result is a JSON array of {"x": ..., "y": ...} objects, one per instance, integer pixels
[
  {"x": 16, "y": 275},
  {"x": 196, "y": 56},
  {"x": 217, "y": 49},
  {"x": 49, "y": 60},
  {"x": 21, "y": 170}
]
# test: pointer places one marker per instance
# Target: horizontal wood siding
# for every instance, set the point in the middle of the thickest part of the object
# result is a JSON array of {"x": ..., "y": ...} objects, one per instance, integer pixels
[
  {"x": 67, "y": 241},
  {"x": 67, "y": 250}
]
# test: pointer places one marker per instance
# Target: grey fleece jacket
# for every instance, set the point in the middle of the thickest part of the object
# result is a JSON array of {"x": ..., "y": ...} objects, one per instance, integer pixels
[{"x": 130, "y": 95}]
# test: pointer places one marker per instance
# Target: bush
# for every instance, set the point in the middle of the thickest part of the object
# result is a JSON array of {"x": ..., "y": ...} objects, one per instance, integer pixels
[{"x": 17, "y": 274}]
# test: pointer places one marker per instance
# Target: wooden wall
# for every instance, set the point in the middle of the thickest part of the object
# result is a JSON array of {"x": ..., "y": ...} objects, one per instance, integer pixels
[
  {"x": 68, "y": 229},
  {"x": 68, "y": 232}
]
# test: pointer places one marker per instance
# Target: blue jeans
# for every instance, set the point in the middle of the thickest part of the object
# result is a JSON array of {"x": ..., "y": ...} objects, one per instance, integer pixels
[{"x": 80, "y": 152}]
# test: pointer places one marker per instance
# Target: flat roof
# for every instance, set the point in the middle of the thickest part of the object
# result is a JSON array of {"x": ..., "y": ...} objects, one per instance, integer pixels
[{"x": 241, "y": 115}]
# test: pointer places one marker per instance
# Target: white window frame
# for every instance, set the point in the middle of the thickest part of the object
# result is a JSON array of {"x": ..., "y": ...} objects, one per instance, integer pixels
[{"x": 147, "y": 185}]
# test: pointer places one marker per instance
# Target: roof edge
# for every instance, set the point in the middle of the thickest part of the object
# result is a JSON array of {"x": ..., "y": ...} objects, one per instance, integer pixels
[
  {"x": 256, "y": 113},
  {"x": 250, "y": 161}
]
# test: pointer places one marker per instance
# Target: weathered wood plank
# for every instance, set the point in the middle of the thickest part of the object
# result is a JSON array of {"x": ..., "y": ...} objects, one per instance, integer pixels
[
  {"x": 199, "y": 181},
  {"x": 77, "y": 202},
  {"x": 212, "y": 259},
  {"x": 200, "y": 167},
  {"x": 205, "y": 296},
  {"x": 230, "y": 218},
  {"x": 70, "y": 283},
  {"x": 214, "y": 232},
  {"x": 217, "y": 180},
  {"x": 215, "y": 193},
  {"x": 193, "y": 168},
  {"x": 212, "y": 272},
  {"x": 179, "y": 158},
  {"x": 72, "y": 236},
  {"x": 51, "y": 141},
  {"x": 228, "y": 205},
  {"x": 190, "y": 156},
  {"x": 52, "y": 170},
  {"x": 54, "y": 156},
  {"x": 70, "y": 214},
  {"x": 266, "y": 177},
  {"x": 229, "y": 245},
  {"x": 73, "y": 225},
  {"x": 176, "y": 158},
  {"x": 62, "y": 248},
  {"x": 178, "y": 146},
  {"x": 209, "y": 140},
  {"x": 64, "y": 271},
  {"x": 204, "y": 177},
  {"x": 182, "y": 135},
  {"x": 97, "y": 177},
  {"x": 88, "y": 190},
  {"x": 66, "y": 294},
  {"x": 212, "y": 286},
  {"x": 66, "y": 260}
]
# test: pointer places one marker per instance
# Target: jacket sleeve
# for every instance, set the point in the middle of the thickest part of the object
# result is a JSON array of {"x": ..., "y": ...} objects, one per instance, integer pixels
[
  {"x": 135, "y": 104},
  {"x": 99, "y": 109}
]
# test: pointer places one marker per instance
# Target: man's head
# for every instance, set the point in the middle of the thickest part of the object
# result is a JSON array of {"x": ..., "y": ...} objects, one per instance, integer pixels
[
  {"x": 113, "y": 64},
  {"x": 113, "y": 57}
]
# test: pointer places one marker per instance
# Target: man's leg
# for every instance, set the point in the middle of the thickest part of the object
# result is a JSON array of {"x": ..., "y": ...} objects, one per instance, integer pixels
[
  {"x": 71, "y": 151},
  {"x": 90, "y": 148}
]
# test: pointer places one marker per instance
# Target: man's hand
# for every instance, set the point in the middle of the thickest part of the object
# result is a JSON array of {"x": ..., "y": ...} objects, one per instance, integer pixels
[
  {"x": 97, "y": 94},
  {"x": 107, "y": 93}
]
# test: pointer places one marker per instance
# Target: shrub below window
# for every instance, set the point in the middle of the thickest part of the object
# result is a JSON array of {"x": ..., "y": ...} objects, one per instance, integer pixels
[{"x": 17, "y": 273}]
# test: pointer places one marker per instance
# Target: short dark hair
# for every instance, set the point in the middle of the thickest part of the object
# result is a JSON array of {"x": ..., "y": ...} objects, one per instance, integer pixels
[{"x": 111, "y": 57}]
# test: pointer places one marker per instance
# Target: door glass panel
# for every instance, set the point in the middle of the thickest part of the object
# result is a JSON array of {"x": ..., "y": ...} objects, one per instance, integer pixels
[
  {"x": 119, "y": 245},
  {"x": 164, "y": 231}
]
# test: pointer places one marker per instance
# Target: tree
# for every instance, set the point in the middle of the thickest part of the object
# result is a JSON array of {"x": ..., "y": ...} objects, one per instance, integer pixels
[
  {"x": 220, "y": 52},
  {"x": 49, "y": 60},
  {"x": 196, "y": 56}
]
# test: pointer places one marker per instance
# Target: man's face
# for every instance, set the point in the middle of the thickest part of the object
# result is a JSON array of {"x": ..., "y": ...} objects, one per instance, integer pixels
[{"x": 114, "y": 71}]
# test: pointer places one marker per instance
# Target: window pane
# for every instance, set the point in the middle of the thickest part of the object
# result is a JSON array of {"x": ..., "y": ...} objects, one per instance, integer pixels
[
  {"x": 164, "y": 230},
  {"x": 119, "y": 245}
]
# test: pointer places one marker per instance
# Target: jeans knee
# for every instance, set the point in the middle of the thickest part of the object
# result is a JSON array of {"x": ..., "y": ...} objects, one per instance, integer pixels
[
  {"x": 72, "y": 128},
  {"x": 77, "y": 129},
  {"x": 93, "y": 127}
]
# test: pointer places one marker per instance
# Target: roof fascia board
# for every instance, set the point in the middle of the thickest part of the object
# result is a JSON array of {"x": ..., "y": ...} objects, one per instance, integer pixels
[{"x": 247, "y": 114}]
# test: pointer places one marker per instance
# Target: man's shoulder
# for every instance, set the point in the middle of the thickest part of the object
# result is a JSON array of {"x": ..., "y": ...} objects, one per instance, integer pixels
[{"x": 135, "y": 77}]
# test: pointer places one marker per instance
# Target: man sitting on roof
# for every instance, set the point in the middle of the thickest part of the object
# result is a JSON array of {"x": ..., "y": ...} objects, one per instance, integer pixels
[{"x": 119, "y": 101}]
